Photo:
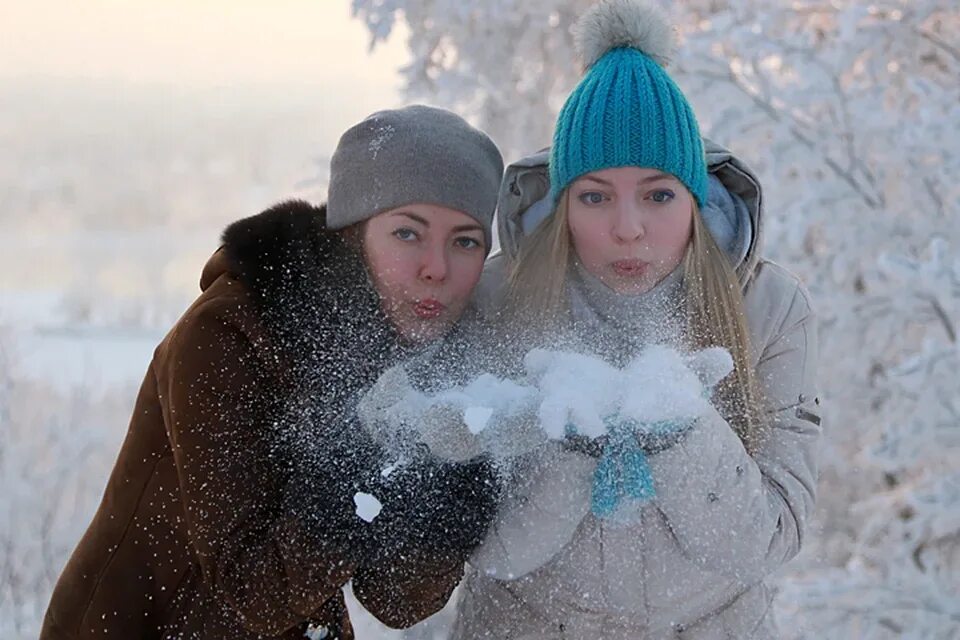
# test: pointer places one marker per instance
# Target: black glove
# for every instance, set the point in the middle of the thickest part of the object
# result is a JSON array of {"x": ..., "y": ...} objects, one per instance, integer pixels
[{"x": 434, "y": 507}]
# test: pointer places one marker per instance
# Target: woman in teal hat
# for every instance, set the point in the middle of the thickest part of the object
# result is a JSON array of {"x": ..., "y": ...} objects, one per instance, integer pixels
[{"x": 632, "y": 231}]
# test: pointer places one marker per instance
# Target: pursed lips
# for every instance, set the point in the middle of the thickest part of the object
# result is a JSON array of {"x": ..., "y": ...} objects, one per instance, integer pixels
[
  {"x": 630, "y": 267},
  {"x": 428, "y": 308}
]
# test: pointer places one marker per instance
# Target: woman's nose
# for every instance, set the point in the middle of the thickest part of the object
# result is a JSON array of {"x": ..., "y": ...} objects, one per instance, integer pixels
[
  {"x": 628, "y": 225},
  {"x": 433, "y": 265}
]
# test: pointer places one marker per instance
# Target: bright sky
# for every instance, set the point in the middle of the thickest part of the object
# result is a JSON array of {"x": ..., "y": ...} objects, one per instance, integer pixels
[
  {"x": 198, "y": 61},
  {"x": 195, "y": 42}
]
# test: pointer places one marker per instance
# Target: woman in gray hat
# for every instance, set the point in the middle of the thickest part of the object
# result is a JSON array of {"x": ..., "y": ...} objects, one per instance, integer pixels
[{"x": 243, "y": 497}]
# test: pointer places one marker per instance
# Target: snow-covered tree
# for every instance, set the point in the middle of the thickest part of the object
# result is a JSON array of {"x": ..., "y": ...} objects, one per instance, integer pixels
[
  {"x": 52, "y": 464},
  {"x": 849, "y": 110},
  {"x": 899, "y": 572},
  {"x": 506, "y": 64}
]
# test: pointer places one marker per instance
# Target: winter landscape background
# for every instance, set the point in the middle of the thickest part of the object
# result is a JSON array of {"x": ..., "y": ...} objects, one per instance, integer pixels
[{"x": 131, "y": 134}]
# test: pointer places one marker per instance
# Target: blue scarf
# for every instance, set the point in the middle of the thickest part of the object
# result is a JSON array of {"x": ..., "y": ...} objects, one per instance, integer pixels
[{"x": 623, "y": 471}]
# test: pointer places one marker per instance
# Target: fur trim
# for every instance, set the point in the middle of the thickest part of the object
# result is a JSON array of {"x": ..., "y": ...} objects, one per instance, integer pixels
[
  {"x": 276, "y": 249},
  {"x": 623, "y": 23},
  {"x": 308, "y": 284},
  {"x": 327, "y": 340}
]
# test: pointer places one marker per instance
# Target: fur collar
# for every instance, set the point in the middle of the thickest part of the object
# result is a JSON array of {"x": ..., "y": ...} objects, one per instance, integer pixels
[
  {"x": 284, "y": 249},
  {"x": 311, "y": 288}
]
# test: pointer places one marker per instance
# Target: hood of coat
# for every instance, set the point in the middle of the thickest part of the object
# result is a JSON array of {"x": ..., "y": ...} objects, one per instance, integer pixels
[{"x": 733, "y": 213}]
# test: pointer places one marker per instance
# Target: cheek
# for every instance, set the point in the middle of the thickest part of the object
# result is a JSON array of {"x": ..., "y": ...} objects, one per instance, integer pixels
[
  {"x": 465, "y": 273},
  {"x": 672, "y": 235},
  {"x": 390, "y": 273},
  {"x": 589, "y": 236}
]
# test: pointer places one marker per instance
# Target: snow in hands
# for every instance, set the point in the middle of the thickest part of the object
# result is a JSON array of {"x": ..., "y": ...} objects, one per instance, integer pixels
[
  {"x": 563, "y": 389},
  {"x": 658, "y": 385}
]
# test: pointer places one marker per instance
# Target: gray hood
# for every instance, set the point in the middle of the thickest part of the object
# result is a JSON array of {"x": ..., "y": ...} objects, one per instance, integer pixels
[{"x": 733, "y": 212}]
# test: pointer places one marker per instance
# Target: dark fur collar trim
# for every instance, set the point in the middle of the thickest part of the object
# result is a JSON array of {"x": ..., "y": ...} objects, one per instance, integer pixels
[
  {"x": 276, "y": 250},
  {"x": 309, "y": 285}
]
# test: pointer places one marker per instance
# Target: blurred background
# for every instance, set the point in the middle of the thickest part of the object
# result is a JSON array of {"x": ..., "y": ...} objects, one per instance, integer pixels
[{"x": 132, "y": 132}]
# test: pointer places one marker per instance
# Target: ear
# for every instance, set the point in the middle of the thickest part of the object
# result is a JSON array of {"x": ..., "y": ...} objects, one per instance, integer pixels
[{"x": 711, "y": 365}]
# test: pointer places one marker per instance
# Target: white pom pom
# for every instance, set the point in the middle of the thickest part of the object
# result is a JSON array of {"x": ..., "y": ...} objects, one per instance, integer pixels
[{"x": 623, "y": 23}]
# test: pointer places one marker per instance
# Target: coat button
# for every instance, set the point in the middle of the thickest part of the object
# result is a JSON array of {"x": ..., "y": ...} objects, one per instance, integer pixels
[
  {"x": 803, "y": 398},
  {"x": 712, "y": 497},
  {"x": 739, "y": 469}
]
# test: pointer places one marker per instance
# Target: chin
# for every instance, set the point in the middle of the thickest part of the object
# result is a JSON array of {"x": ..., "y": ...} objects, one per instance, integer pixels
[
  {"x": 424, "y": 332},
  {"x": 635, "y": 290},
  {"x": 630, "y": 287}
]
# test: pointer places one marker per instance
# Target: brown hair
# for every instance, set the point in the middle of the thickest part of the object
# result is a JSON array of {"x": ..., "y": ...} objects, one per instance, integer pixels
[
  {"x": 353, "y": 235},
  {"x": 536, "y": 295}
]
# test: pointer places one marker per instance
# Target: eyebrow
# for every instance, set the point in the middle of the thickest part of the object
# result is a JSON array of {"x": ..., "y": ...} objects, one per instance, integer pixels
[
  {"x": 467, "y": 227},
  {"x": 413, "y": 217},
  {"x": 655, "y": 177},
  {"x": 458, "y": 229}
]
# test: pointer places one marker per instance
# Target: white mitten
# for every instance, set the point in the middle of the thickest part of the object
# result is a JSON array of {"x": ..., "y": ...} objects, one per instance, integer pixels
[
  {"x": 445, "y": 433},
  {"x": 400, "y": 417},
  {"x": 513, "y": 434},
  {"x": 540, "y": 514}
]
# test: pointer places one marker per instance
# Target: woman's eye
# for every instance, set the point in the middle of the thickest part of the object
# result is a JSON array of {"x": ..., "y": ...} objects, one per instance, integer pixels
[
  {"x": 466, "y": 242},
  {"x": 662, "y": 195},
  {"x": 406, "y": 234},
  {"x": 591, "y": 197}
]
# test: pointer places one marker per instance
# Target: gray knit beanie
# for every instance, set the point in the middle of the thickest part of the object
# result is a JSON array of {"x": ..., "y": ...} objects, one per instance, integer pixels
[{"x": 415, "y": 154}]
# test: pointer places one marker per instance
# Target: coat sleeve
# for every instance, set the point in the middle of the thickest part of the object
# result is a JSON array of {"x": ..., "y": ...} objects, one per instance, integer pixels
[
  {"x": 745, "y": 516},
  {"x": 434, "y": 515},
  {"x": 268, "y": 566}
]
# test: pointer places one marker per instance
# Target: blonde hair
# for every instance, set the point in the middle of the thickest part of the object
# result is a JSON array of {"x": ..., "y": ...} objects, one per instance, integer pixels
[{"x": 536, "y": 296}]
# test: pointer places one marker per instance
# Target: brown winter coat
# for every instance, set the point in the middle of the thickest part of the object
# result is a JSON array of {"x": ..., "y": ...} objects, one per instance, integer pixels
[{"x": 229, "y": 512}]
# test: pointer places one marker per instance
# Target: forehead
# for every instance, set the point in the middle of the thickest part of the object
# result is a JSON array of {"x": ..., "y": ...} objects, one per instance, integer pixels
[
  {"x": 626, "y": 175},
  {"x": 429, "y": 214}
]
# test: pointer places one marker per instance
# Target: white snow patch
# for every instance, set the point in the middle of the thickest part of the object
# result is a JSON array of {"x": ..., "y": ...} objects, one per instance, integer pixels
[
  {"x": 659, "y": 384},
  {"x": 315, "y": 632},
  {"x": 575, "y": 388},
  {"x": 384, "y": 133},
  {"x": 477, "y": 418},
  {"x": 500, "y": 395},
  {"x": 389, "y": 469},
  {"x": 368, "y": 507}
]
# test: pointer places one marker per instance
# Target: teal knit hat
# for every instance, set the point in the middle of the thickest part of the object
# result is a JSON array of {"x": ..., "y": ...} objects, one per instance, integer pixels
[{"x": 626, "y": 110}]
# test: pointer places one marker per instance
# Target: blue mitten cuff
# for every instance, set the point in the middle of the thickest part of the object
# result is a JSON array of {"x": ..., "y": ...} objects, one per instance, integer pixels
[{"x": 623, "y": 473}]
